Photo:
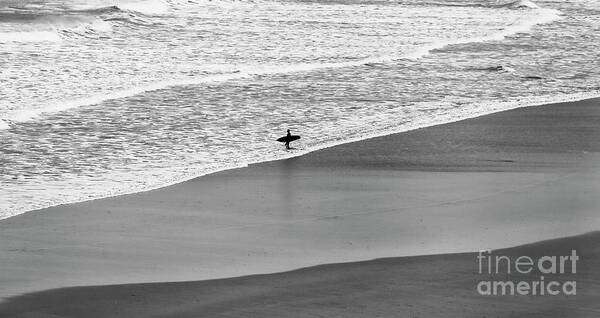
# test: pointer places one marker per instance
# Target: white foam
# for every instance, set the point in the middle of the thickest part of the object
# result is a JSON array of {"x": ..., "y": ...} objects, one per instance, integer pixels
[
  {"x": 25, "y": 115},
  {"x": 99, "y": 25},
  {"x": 31, "y": 36},
  {"x": 148, "y": 7},
  {"x": 523, "y": 25},
  {"x": 4, "y": 125},
  {"x": 29, "y": 114},
  {"x": 49, "y": 29}
]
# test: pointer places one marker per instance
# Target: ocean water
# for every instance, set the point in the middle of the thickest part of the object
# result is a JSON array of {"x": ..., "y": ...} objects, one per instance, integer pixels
[{"x": 101, "y": 97}]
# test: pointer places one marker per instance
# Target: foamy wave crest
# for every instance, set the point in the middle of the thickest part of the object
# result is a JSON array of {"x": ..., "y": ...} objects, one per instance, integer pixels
[
  {"x": 522, "y": 25},
  {"x": 52, "y": 28},
  {"x": 521, "y": 4},
  {"x": 115, "y": 13},
  {"x": 139, "y": 13},
  {"x": 147, "y": 7}
]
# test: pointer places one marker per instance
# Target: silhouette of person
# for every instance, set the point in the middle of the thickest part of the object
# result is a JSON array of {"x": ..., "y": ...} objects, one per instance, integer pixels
[{"x": 287, "y": 143}]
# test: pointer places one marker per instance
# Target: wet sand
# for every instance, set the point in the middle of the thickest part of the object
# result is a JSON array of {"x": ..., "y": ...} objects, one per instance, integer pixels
[{"x": 499, "y": 180}]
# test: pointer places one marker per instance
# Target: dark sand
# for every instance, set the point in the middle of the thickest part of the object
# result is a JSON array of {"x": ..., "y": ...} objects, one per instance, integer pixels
[
  {"x": 419, "y": 286},
  {"x": 499, "y": 180}
]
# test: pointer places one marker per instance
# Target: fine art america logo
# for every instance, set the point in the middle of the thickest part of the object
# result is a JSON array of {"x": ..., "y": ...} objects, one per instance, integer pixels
[{"x": 513, "y": 276}]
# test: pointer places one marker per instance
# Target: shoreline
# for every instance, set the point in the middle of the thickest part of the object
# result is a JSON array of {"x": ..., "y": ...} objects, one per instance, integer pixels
[
  {"x": 441, "y": 189},
  {"x": 539, "y": 101}
]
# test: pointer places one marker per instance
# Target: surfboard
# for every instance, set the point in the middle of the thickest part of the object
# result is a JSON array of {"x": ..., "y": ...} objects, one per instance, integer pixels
[{"x": 288, "y": 138}]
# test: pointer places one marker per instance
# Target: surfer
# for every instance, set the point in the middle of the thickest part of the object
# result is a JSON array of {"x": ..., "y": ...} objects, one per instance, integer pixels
[{"x": 289, "y": 137}]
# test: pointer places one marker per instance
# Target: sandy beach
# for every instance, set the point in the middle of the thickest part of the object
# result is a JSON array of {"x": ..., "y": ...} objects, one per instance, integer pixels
[
  {"x": 496, "y": 181},
  {"x": 419, "y": 286}
]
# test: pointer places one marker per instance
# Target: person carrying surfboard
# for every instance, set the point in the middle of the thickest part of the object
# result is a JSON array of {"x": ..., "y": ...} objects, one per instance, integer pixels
[{"x": 288, "y": 138}]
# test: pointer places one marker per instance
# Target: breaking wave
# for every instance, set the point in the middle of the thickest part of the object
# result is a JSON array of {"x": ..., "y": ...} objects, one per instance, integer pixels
[
  {"x": 521, "y": 4},
  {"x": 54, "y": 24}
]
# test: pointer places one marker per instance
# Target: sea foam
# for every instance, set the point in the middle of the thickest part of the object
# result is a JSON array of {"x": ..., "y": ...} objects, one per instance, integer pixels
[
  {"x": 521, "y": 25},
  {"x": 148, "y": 7},
  {"x": 30, "y": 36}
]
